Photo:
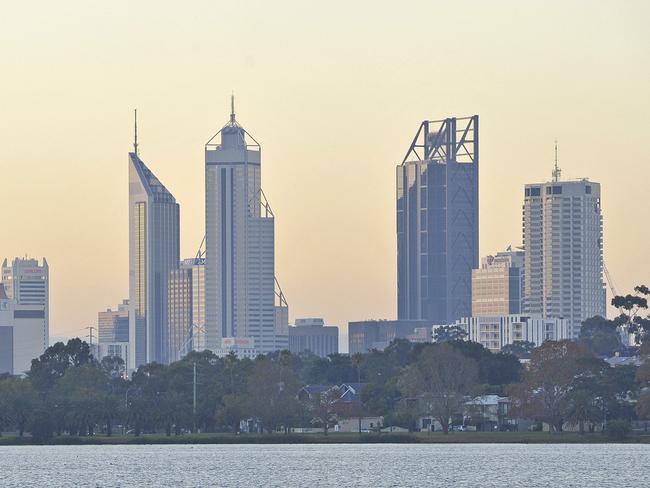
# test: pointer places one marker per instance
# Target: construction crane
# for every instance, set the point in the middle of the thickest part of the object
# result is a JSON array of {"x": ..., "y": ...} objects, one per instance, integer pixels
[{"x": 610, "y": 281}]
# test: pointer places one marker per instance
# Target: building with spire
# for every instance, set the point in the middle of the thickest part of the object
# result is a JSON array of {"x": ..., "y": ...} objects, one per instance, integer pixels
[
  {"x": 243, "y": 300},
  {"x": 437, "y": 221},
  {"x": 563, "y": 250},
  {"x": 154, "y": 243}
]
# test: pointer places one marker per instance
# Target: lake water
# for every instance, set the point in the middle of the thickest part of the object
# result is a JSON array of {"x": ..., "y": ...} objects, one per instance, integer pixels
[{"x": 341, "y": 465}]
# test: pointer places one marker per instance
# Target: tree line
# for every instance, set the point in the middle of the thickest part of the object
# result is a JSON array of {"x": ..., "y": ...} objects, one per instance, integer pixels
[{"x": 68, "y": 392}]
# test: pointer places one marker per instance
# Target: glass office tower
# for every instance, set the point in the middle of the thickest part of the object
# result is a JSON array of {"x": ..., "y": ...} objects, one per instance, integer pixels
[
  {"x": 437, "y": 221},
  {"x": 153, "y": 253}
]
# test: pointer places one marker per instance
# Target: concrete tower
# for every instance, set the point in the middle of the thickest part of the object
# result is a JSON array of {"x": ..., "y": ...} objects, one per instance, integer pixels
[
  {"x": 563, "y": 241},
  {"x": 242, "y": 297},
  {"x": 437, "y": 222}
]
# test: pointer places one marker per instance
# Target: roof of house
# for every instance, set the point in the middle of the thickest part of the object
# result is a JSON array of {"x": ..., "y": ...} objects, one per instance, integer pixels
[{"x": 487, "y": 400}]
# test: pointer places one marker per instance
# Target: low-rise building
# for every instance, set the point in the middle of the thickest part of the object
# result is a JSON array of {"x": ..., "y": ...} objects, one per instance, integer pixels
[
  {"x": 312, "y": 335},
  {"x": 366, "y": 335},
  {"x": 242, "y": 347},
  {"x": 113, "y": 332},
  {"x": 356, "y": 424},
  {"x": 494, "y": 332}
]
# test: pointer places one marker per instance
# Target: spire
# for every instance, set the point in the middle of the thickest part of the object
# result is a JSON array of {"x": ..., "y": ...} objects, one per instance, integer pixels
[
  {"x": 557, "y": 172},
  {"x": 135, "y": 139},
  {"x": 232, "y": 107}
]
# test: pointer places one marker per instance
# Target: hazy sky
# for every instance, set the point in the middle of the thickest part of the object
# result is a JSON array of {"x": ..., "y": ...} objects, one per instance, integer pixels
[{"x": 334, "y": 92}]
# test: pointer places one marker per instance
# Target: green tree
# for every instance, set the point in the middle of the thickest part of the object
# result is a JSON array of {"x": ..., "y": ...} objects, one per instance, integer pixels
[
  {"x": 231, "y": 411},
  {"x": 271, "y": 393},
  {"x": 83, "y": 394},
  {"x": 449, "y": 333},
  {"x": 53, "y": 363},
  {"x": 113, "y": 366},
  {"x": 643, "y": 405},
  {"x": 494, "y": 370},
  {"x": 440, "y": 378},
  {"x": 600, "y": 336},
  {"x": 631, "y": 308},
  {"x": 322, "y": 408},
  {"x": 549, "y": 381},
  {"x": 18, "y": 401},
  {"x": 519, "y": 349}
]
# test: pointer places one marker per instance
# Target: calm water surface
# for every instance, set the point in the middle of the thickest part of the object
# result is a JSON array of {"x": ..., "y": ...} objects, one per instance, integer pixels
[{"x": 344, "y": 465}]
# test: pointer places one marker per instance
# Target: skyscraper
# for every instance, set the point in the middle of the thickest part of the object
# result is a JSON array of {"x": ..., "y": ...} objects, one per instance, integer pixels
[
  {"x": 497, "y": 286},
  {"x": 242, "y": 297},
  {"x": 437, "y": 221},
  {"x": 187, "y": 308},
  {"x": 153, "y": 253},
  {"x": 26, "y": 304},
  {"x": 563, "y": 241}
]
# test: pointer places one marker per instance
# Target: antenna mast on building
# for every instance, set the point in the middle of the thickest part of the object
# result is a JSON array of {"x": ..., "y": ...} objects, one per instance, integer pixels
[
  {"x": 135, "y": 140},
  {"x": 557, "y": 172},
  {"x": 232, "y": 107}
]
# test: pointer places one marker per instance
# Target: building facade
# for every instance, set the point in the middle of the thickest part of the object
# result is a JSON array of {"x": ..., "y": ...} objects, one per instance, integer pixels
[
  {"x": 242, "y": 296},
  {"x": 113, "y": 332},
  {"x": 26, "y": 310},
  {"x": 312, "y": 335},
  {"x": 21, "y": 335},
  {"x": 563, "y": 241},
  {"x": 153, "y": 252},
  {"x": 366, "y": 335},
  {"x": 437, "y": 221},
  {"x": 497, "y": 331},
  {"x": 187, "y": 308},
  {"x": 497, "y": 286}
]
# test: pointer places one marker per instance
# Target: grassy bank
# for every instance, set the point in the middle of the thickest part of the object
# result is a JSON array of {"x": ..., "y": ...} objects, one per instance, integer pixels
[{"x": 337, "y": 438}]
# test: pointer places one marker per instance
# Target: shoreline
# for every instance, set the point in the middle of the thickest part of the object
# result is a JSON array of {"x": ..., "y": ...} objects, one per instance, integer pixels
[{"x": 335, "y": 438}]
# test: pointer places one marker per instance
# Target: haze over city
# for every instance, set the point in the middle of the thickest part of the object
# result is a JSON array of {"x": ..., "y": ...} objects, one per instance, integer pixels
[{"x": 334, "y": 104}]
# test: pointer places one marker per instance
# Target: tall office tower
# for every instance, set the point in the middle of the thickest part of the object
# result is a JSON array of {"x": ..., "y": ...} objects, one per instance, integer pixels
[
  {"x": 26, "y": 288},
  {"x": 187, "y": 308},
  {"x": 437, "y": 222},
  {"x": 153, "y": 253},
  {"x": 563, "y": 241},
  {"x": 113, "y": 332},
  {"x": 242, "y": 300},
  {"x": 497, "y": 286}
]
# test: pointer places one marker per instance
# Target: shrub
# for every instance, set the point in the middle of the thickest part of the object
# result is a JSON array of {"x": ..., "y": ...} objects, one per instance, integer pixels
[{"x": 618, "y": 429}]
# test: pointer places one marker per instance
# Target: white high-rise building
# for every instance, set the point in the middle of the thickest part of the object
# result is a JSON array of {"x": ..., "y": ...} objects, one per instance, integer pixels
[
  {"x": 25, "y": 304},
  {"x": 242, "y": 297},
  {"x": 563, "y": 241},
  {"x": 153, "y": 253}
]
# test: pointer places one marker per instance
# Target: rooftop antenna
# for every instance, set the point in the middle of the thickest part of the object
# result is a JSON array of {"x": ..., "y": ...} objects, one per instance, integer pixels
[
  {"x": 232, "y": 107},
  {"x": 135, "y": 140},
  {"x": 557, "y": 172}
]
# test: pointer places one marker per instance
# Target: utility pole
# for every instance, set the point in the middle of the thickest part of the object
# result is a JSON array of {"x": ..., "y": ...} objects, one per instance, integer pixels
[
  {"x": 90, "y": 328},
  {"x": 90, "y": 336},
  {"x": 194, "y": 399}
]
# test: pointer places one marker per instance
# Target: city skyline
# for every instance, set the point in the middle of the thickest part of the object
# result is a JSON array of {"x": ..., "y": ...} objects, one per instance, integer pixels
[{"x": 340, "y": 265}]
